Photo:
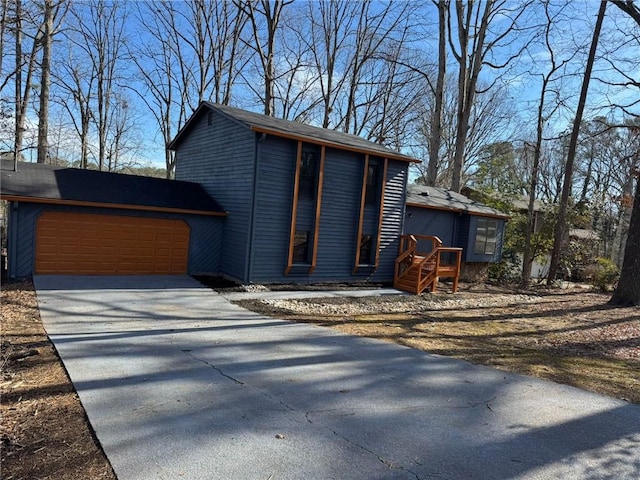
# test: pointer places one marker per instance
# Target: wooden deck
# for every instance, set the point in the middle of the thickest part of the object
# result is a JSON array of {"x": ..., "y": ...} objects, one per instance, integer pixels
[{"x": 417, "y": 271}]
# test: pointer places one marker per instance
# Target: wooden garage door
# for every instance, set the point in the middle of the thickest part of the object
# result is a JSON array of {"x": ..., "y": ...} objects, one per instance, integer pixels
[{"x": 80, "y": 243}]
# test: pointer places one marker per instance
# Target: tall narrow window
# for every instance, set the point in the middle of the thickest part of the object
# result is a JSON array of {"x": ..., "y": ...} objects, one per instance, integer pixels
[
  {"x": 307, "y": 180},
  {"x": 486, "y": 237},
  {"x": 371, "y": 193},
  {"x": 301, "y": 247},
  {"x": 366, "y": 250}
]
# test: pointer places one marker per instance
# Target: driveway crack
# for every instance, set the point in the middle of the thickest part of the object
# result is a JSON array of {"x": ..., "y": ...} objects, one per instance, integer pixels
[
  {"x": 217, "y": 369},
  {"x": 235, "y": 380},
  {"x": 387, "y": 463}
]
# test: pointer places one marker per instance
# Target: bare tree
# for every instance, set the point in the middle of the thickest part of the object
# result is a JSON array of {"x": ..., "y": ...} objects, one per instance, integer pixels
[
  {"x": 472, "y": 48},
  {"x": 90, "y": 71},
  {"x": 123, "y": 144},
  {"x": 435, "y": 135},
  {"x": 163, "y": 71},
  {"x": 490, "y": 122},
  {"x": 328, "y": 43},
  {"x": 544, "y": 113},
  {"x": 75, "y": 80},
  {"x": 48, "y": 29},
  {"x": 209, "y": 34},
  {"x": 373, "y": 32},
  {"x": 265, "y": 15},
  {"x": 27, "y": 23},
  {"x": 195, "y": 53},
  {"x": 559, "y": 230},
  {"x": 4, "y": 19}
]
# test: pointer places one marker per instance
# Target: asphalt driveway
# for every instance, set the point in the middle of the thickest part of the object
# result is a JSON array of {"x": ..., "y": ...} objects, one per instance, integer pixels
[{"x": 179, "y": 383}]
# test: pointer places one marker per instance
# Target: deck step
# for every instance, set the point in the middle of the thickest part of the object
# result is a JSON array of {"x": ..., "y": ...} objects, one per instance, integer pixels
[{"x": 421, "y": 265}]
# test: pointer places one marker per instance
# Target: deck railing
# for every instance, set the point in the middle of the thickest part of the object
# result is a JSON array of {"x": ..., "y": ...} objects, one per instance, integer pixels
[{"x": 417, "y": 269}]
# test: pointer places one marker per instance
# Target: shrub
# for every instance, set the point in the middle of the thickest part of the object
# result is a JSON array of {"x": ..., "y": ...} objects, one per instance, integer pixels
[{"x": 606, "y": 274}]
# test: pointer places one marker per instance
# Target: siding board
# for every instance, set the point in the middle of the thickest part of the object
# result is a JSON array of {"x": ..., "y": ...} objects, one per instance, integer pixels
[
  {"x": 392, "y": 222},
  {"x": 221, "y": 157},
  {"x": 427, "y": 221}
]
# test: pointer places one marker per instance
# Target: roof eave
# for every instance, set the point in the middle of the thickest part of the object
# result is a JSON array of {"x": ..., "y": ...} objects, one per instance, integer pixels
[
  {"x": 119, "y": 206},
  {"x": 459, "y": 210},
  {"x": 341, "y": 146}
]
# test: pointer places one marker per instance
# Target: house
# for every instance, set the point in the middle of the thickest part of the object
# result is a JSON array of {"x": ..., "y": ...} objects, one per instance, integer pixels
[
  {"x": 293, "y": 204},
  {"x": 305, "y": 204},
  {"x": 256, "y": 200},
  {"x": 458, "y": 221}
]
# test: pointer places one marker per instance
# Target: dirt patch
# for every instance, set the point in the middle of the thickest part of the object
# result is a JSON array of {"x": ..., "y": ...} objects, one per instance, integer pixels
[
  {"x": 567, "y": 336},
  {"x": 44, "y": 432}
]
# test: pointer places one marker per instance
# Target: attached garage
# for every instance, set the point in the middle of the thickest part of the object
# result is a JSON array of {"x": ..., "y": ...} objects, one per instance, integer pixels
[
  {"x": 72, "y": 221},
  {"x": 81, "y": 243}
]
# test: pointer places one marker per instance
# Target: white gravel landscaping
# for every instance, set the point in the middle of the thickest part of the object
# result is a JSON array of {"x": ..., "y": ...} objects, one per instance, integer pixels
[{"x": 396, "y": 303}]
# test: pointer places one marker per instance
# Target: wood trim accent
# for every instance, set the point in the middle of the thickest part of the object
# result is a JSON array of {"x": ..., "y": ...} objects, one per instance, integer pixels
[
  {"x": 363, "y": 195},
  {"x": 118, "y": 206},
  {"x": 457, "y": 210},
  {"x": 316, "y": 225},
  {"x": 381, "y": 211},
  {"x": 294, "y": 208},
  {"x": 314, "y": 141}
]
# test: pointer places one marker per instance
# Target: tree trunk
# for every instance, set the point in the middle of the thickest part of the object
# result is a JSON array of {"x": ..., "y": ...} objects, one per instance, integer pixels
[
  {"x": 22, "y": 98},
  {"x": 17, "y": 143},
  {"x": 467, "y": 77},
  {"x": 436, "y": 121},
  {"x": 628, "y": 289},
  {"x": 3, "y": 28},
  {"x": 45, "y": 83},
  {"x": 559, "y": 230}
]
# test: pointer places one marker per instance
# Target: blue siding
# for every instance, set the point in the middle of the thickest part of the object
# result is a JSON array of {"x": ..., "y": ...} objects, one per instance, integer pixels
[
  {"x": 338, "y": 219},
  {"x": 427, "y": 221},
  {"x": 204, "y": 247},
  {"x": 24, "y": 218},
  {"x": 253, "y": 180},
  {"x": 458, "y": 230},
  {"x": 393, "y": 216},
  {"x": 221, "y": 157},
  {"x": 339, "y": 215},
  {"x": 274, "y": 198},
  {"x": 462, "y": 234}
]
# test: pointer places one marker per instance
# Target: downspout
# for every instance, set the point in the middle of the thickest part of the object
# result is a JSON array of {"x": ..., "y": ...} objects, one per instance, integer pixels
[{"x": 254, "y": 204}]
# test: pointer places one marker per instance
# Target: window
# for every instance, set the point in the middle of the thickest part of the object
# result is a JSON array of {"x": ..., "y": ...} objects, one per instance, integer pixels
[
  {"x": 486, "y": 237},
  {"x": 366, "y": 250},
  {"x": 301, "y": 247},
  {"x": 307, "y": 180},
  {"x": 371, "y": 192}
]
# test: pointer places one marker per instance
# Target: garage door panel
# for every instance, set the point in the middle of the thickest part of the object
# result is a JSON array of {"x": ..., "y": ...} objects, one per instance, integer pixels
[{"x": 79, "y": 243}]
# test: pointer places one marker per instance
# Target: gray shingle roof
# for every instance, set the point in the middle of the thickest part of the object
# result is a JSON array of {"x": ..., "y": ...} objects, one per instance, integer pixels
[
  {"x": 38, "y": 182},
  {"x": 297, "y": 130},
  {"x": 442, "y": 199}
]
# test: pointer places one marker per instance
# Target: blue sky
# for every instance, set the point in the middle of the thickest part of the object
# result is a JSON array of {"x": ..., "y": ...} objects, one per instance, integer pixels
[{"x": 520, "y": 83}]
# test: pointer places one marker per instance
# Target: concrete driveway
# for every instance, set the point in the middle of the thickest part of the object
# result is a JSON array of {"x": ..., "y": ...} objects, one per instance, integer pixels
[{"x": 179, "y": 383}]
